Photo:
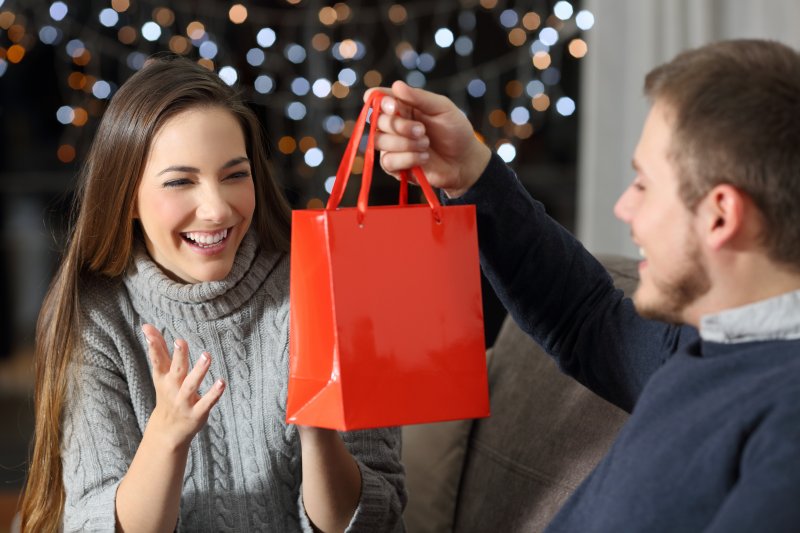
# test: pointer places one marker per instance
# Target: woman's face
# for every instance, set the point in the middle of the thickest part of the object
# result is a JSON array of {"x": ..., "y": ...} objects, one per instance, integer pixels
[{"x": 196, "y": 197}]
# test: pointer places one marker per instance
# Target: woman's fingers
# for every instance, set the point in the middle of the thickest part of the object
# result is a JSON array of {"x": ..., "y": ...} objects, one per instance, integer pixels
[
  {"x": 180, "y": 360},
  {"x": 194, "y": 379},
  {"x": 209, "y": 399},
  {"x": 156, "y": 350}
]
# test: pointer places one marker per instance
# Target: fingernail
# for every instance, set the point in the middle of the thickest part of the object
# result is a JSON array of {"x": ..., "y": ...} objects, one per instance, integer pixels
[
  {"x": 204, "y": 357},
  {"x": 388, "y": 106},
  {"x": 146, "y": 336},
  {"x": 417, "y": 130},
  {"x": 423, "y": 143},
  {"x": 220, "y": 384},
  {"x": 424, "y": 156},
  {"x": 177, "y": 346}
]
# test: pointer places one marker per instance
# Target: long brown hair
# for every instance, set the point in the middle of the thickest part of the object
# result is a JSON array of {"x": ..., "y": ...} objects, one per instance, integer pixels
[{"x": 102, "y": 236}]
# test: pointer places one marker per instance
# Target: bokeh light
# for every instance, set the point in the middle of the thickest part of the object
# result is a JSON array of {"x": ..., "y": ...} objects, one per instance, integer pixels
[
  {"x": 266, "y": 37},
  {"x": 58, "y": 10},
  {"x": 507, "y": 152},
  {"x": 584, "y": 20},
  {"x": 565, "y": 106},
  {"x": 563, "y": 10},
  {"x": 443, "y": 37},
  {"x": 108, "y": 17},
  {"x": 237, "y": 13},
  {"x": 228, "y": 75},
  {"x": 264, "y": 84}
]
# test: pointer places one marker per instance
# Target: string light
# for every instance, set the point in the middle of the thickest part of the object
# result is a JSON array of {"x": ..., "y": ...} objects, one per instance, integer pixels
[{"x": 310, "y": 69}]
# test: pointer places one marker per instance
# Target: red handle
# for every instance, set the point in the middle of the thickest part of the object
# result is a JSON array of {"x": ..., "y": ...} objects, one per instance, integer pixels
[{"x": 346, "y": 166}]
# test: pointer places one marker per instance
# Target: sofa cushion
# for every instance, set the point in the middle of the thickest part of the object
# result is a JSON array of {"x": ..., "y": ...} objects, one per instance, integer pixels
[
  {"x": 433, "y": 455},
  {"x": 545, "y": 434}
]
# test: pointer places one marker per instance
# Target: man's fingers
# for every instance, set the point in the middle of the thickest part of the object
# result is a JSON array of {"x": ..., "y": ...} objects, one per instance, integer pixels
[
  {"x": 395, "y": 143},
  {"x": 390, "y": 105},
  {"x": 423, "y": 101},
  {"x": 367, "y": 94},
  {"x": 394, "y": 124},
  {"x": 393, "y": 163}
]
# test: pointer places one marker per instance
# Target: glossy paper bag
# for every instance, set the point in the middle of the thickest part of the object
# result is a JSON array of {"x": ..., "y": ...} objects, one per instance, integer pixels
[{"x": 386, "y": 323}]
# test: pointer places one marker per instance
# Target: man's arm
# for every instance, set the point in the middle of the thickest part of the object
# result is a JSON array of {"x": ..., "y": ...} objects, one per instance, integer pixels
[{"x": 555, "y": 290}]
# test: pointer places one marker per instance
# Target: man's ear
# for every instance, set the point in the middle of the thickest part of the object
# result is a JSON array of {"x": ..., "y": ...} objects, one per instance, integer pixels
[{"x": 721, "y": 215}]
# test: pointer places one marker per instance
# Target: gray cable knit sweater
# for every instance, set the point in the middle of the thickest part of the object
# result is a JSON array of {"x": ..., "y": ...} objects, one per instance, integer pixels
[{"x": 244, "y": 470}]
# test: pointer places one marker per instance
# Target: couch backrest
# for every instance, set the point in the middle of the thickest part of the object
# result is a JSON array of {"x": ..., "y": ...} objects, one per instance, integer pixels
[{"x": 545, "y": 434}]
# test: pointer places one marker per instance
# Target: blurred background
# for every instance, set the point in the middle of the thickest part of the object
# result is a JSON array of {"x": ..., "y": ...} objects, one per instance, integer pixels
[
  {"x": 512, "y": 67},
  {"x": 553, "y": 86}
]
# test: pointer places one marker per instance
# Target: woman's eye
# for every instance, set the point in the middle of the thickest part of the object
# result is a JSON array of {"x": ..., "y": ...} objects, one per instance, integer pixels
[
  {"x": 177, "y": 182},
  {"x": 237, "y": 175}
]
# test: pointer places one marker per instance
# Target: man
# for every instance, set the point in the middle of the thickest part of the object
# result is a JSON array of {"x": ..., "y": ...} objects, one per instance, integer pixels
[{"x": 707, "y": 356}]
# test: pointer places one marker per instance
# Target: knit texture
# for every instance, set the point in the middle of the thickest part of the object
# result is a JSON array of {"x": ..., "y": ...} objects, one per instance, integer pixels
[{"x": 243, "y": 471}]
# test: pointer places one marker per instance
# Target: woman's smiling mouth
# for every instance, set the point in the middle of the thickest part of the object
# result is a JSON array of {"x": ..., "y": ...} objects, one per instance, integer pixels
[{"x": 206, "y": 240}]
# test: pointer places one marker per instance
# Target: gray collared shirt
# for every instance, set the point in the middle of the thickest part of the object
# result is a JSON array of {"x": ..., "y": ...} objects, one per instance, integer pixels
[{"x": 776, "y": 318}]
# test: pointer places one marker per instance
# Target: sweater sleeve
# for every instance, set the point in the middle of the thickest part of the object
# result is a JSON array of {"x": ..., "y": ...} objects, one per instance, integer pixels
[
  {"x": 100, "y": 436},
  {"x": 383, "y": 493},
  {"x": 561, "y": 295}
]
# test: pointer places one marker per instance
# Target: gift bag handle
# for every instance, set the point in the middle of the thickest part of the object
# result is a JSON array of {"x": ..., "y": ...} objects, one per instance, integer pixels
[{"x": 346, "y": 166}]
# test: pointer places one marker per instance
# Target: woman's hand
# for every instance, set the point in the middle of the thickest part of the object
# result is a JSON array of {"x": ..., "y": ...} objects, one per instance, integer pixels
[
  {"x": 420, "y": 128},
  {"x": 180, "y": 411},
  {"x": 149, "y": 496}
]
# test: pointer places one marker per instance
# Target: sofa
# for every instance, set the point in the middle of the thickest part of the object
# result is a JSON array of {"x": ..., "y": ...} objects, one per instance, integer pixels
[{"x": 512, "y": 471}]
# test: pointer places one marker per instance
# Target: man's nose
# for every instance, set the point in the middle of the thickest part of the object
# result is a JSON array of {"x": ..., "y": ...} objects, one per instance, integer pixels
[{"x": 623, "y": 208}]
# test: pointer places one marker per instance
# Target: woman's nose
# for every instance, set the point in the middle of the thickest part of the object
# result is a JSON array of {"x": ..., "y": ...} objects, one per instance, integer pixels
[{"x": 213, "y": 206}]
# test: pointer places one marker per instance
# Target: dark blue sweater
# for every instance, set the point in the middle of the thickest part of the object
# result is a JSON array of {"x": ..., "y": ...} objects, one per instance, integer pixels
[{"x": 713, "y": 442}]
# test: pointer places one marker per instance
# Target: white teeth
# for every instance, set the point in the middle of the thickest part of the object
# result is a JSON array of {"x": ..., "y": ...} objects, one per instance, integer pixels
[
  {"x": 641, "y": 252},
  {"x": 207, "y": 239}
]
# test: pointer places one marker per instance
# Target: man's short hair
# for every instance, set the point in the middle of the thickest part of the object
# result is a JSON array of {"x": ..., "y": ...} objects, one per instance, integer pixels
[{"x": 735, "y": 110}]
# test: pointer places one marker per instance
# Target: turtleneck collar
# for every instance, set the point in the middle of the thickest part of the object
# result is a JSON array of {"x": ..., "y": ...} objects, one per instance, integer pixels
[{"x": 150, "y": 287}]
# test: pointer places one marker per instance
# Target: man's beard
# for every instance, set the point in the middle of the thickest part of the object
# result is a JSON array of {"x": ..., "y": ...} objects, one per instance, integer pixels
[{"x": 674, "y": 295}]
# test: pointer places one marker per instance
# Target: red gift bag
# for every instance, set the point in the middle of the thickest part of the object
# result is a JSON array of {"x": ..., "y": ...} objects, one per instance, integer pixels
[{"x": 386, "y": 322}]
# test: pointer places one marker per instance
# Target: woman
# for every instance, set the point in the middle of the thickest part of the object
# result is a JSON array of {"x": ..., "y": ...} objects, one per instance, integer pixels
[{"x": 180, "y": 240}]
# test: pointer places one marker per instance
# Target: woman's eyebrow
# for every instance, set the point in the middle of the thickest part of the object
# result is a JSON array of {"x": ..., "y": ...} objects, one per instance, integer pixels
[
  {"x": 235, "y": 161},
  {"x": 179, "y": 168},
  {"x": 194, "y": 170}
]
